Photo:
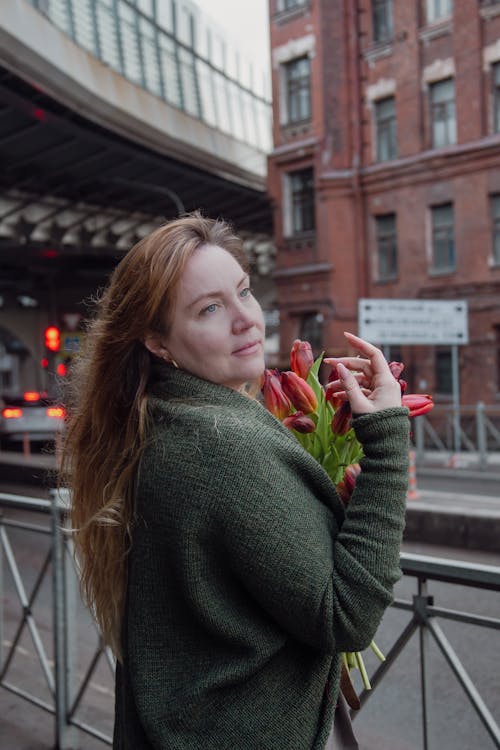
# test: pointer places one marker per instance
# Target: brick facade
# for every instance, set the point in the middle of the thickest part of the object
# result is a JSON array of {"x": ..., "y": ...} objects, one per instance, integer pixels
[{"x": 439, "y": 77}]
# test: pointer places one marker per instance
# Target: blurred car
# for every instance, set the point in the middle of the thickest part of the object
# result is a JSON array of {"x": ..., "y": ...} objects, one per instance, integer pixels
[{"x": 32, "y": 416}]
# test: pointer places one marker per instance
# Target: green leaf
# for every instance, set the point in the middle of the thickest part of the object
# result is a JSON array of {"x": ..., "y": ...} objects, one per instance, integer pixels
[{"x": 313, "y": 379}]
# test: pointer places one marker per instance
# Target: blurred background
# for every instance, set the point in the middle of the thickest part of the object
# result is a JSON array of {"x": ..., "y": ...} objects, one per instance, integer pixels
[{"x": 355, "y": 146}]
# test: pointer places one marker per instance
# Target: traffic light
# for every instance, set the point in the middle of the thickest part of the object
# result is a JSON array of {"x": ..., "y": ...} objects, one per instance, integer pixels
[{"x": 52, "y": 337}]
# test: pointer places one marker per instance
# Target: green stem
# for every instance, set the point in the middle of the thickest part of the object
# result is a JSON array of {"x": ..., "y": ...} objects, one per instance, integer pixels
[
  {"x": 362, "y": 669},
  {"x": 378, "y": 653}
]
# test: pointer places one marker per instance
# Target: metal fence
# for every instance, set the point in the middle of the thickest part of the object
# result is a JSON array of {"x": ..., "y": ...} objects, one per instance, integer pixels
[
  {"x": 165, "y": 47},
  {"x": 67, "y": 685},
  {"x": 67, "y": 666},
  {"x": 474, "y": 430},
  {"x": 425, "y": 615}
]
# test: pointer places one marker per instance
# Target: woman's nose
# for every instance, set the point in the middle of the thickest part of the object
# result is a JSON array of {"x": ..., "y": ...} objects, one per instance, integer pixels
[{"x": 243, "y": 318}]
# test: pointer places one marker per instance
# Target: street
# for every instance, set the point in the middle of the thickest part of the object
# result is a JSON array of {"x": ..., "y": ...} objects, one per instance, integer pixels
[{"x": 391, "y": 719}]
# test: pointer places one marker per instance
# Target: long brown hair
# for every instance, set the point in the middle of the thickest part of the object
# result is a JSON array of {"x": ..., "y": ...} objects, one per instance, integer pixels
[{"x": 108, "y": 421}]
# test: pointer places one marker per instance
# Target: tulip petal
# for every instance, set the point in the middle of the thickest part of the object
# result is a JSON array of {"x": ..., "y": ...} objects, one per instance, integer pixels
[
  {"x": 301, "y": 358},
  {"x": 417, "y": 403},
  {"x": 299, "y": 392},
  {"x": 275, "y": 399}
]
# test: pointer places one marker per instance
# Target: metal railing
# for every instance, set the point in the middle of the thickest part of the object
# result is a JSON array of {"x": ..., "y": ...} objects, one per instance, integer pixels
[
  {"x": 424, "y": 622},
  {"x": 166, "y": 48},
  {"x": 478, "y": 429},
  {"x": 66, "y": 674},
  {"x": 67, "y": 686}
]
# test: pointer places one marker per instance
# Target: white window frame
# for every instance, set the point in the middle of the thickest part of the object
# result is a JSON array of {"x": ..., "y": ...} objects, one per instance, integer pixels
[{"x": 438, "y": 10}]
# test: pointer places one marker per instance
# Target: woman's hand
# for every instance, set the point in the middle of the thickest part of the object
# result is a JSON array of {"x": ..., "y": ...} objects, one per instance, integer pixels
[{"x": 366, "y": 380}]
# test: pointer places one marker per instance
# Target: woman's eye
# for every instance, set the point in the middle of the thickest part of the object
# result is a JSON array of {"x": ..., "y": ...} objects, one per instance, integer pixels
[
  {"x": 245, "y": 292},
  {"x": 210, "y": 308}
]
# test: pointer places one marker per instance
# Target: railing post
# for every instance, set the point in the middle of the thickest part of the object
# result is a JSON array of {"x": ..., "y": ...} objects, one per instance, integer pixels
[
  {"x": 1, "y": 600},
  {"x": 65, "y": 738},
  {"x": 482, "y": 440},
  {"x": 419, "y": 438},
  {"x": 420, "y": 605}
]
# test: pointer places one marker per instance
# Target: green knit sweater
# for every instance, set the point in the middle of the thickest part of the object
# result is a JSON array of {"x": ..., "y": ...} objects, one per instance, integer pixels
[{"x": 246, "y": 577}]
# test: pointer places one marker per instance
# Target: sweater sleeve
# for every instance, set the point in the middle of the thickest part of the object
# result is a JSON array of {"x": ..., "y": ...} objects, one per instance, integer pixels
[{"x": 323, "y": 578}]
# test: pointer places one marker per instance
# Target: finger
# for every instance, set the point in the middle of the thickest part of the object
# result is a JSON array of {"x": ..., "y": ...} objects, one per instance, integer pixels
[
  {"x": 352, "y": 389},
  {"x": 337, "y": 383},
  {"x": 369, "y": 350},
  {"x": 333, "y": 388},
  {"x": 342, "y": 395},
  {"x": 361, "y": 345},
  {"x": 353, "y": 363}
]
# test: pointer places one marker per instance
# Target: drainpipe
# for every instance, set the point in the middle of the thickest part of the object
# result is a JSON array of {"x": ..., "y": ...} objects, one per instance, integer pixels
[{"x": 356, "y": 113}]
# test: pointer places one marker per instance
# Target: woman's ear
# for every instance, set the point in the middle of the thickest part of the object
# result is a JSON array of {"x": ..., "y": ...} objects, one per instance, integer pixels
[{"x": 154, "y": 344}]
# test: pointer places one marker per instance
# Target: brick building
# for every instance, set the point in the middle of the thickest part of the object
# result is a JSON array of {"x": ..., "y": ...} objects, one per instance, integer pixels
[{"x": 385, "y": 172}]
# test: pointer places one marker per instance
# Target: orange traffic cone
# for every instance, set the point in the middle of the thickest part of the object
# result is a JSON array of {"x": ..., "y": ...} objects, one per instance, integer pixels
[{"x": 412, "y": 493}]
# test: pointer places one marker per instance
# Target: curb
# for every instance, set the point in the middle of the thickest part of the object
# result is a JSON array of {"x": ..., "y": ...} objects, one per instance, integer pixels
[
  {"x": 448, "y": 527},
  {"x": 484, "y": 476}
]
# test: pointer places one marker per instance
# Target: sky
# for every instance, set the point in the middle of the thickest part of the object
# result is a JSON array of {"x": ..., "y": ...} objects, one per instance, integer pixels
[{"x": 247, "y": 26}]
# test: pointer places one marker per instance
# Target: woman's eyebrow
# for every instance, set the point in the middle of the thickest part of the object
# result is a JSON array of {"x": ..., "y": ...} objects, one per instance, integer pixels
[{"x": 215, "y": 293}]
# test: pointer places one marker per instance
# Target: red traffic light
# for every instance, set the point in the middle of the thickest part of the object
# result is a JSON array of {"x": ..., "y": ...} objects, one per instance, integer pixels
[{"x": 52, "y": 338}]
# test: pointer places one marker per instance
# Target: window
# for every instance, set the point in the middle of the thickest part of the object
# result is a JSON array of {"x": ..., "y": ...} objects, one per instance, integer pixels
[
  {"x": 443, "y": 376},
  {"x": 311, "y": 329},
  {"x": 282, "y": 5},
  {"x": 387, "y": 251},
  {"x": 443, "y": 238},
  {"x": 437, "y": 9},
  {"x": 290, "y": 4},
  {"x": 382, "y": 20},
  {"x": 442, "y": 96},
  {"x": 385, "y": 118},
  {"x": 496, "y": 97},
  {"x": 302, "y": 201},
  {"x": 495, "y": 226},
  {"x": 298, "y": 90}
]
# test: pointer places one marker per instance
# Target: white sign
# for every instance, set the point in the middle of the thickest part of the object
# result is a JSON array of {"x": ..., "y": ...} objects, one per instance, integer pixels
[{"x": 413, "y": 321}]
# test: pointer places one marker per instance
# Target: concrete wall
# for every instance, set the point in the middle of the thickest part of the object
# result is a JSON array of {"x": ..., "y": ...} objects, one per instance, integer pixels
[{"x": 38, "y": 51}]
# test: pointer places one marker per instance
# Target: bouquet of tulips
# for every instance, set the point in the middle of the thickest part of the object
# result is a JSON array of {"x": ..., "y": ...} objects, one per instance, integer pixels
[{"x": 320, "y": 421}]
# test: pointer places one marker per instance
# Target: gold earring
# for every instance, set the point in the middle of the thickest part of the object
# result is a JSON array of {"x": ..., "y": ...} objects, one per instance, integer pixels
[{"x": 170, "y": 361}]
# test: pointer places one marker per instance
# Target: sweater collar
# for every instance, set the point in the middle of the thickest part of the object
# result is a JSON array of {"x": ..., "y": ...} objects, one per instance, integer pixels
[{"x": 170, "y": 382}]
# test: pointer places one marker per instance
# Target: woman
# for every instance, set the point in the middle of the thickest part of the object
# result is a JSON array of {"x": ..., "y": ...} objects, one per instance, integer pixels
[{"x": 215, "y": 553}]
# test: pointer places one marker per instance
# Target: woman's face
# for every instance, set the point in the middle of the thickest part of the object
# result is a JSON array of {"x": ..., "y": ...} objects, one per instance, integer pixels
[{"x": 217, "y": 330}]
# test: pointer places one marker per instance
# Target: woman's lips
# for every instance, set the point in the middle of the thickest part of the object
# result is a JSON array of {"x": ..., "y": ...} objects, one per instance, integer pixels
[{"x": 248, "y": 349}]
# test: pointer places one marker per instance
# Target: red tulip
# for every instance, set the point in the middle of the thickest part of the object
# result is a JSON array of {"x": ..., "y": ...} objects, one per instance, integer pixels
[
  {"x": 274, "y": 397},
  {"x": 331, "y": 396},
  {"x": 397, "y": 368},
  {"x": 417, "y": 403},
  {"x": 345, "y": 488},
  {"x": 301, "y": 358},
  {"x": 341, "y": 421},
  {"x": 299, "y": 392},
  {"x": 334, "y": 373},
  {"x": 299, "y": 422}
]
